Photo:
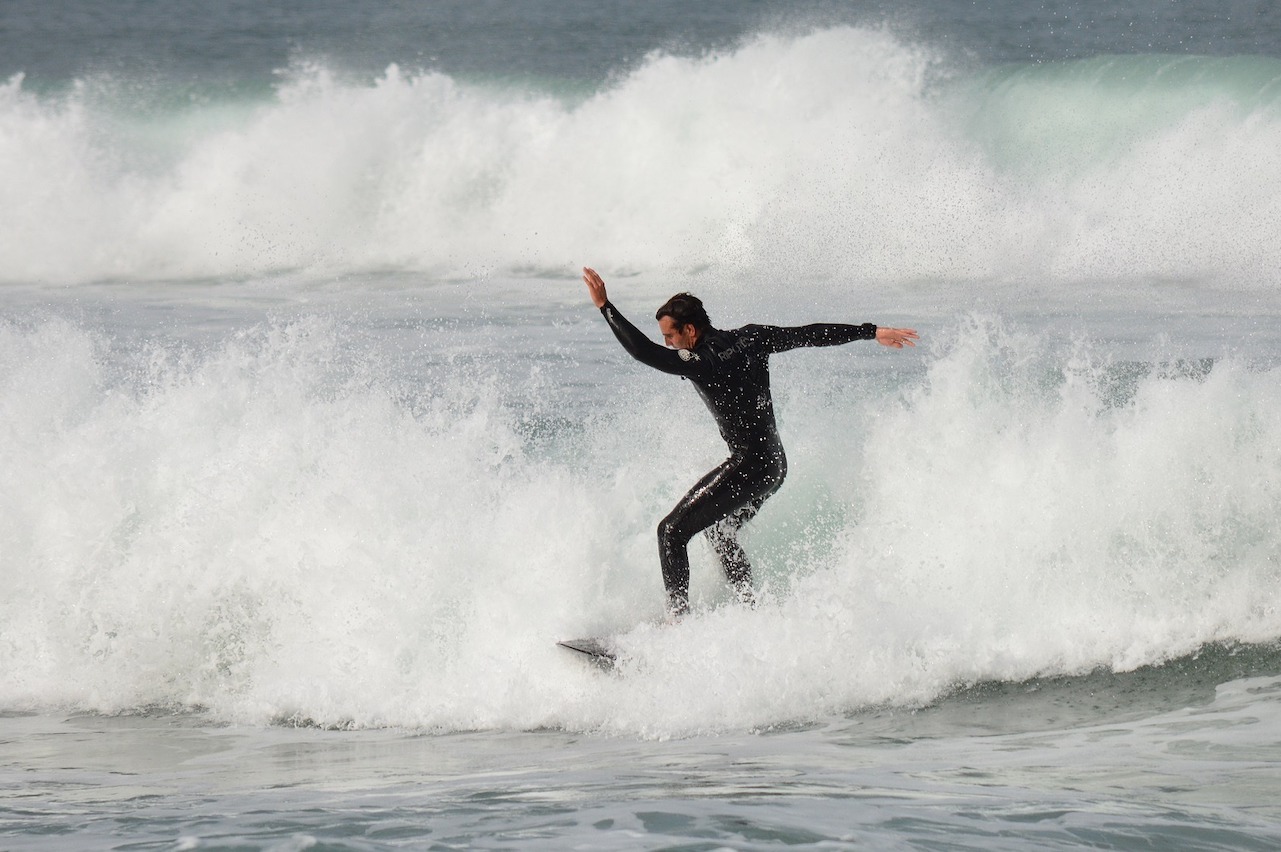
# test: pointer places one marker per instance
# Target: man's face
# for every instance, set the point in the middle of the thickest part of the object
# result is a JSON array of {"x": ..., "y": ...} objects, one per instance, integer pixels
[{"x": 677, "y": 337}]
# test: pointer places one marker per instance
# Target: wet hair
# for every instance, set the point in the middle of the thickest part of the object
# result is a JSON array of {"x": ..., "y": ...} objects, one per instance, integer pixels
[{"x": 684, "y": 310}]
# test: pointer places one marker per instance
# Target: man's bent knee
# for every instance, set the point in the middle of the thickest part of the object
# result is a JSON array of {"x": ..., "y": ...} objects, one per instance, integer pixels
[{"x": 671, "y": 533}]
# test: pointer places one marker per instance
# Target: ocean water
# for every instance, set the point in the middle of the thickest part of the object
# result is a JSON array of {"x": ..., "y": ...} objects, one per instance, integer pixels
[{"x": 313, "y": 444}]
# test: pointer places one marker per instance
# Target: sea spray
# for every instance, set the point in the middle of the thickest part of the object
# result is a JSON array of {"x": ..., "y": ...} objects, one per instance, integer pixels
[
  {"x": 840, "y": 152},
  {"x": 1078, "y": 526},
  {"x": 276, "y": 527}
]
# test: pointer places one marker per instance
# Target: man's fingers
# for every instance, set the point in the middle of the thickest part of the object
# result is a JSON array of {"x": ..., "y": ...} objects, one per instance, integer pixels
[{"x": 905, "y": 336}]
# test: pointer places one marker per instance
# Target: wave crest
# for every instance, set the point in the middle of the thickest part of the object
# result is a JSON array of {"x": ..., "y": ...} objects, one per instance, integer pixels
[{"x": 843, "y": 153}]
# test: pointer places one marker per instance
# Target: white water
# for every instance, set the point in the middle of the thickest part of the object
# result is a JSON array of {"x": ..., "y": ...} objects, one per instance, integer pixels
[
  {"x": 842, "y": 151},
  {"x": 359, "y": 493},
  {"x": 292, "y": 523}
]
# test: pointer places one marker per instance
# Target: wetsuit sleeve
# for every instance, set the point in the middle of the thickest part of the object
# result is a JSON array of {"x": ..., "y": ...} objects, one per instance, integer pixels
[
  {"x": 641, "y": 347},
  {"x": 782, "y": 338}
]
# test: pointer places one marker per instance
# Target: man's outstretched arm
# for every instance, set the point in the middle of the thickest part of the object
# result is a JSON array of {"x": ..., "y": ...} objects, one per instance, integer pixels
[
  {"x": 783, "y": 338},
  {"x": 633, "y": 339}
]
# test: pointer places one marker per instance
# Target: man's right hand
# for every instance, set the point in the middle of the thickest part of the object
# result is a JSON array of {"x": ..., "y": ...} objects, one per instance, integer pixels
[{"x": 595, "y": 286}]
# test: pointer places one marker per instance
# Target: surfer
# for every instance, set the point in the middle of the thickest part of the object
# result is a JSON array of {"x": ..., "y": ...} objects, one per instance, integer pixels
[{"x": 730, "y": 371}]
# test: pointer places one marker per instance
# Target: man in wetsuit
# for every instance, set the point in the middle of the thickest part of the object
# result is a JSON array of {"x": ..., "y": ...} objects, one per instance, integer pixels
[{"x": 730, "y": 371}]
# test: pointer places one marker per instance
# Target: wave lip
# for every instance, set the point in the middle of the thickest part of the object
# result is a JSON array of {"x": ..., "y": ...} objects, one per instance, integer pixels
[{"x": 842, "y": 152}]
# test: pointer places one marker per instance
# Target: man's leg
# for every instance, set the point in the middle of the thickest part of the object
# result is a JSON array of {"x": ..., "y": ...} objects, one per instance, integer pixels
[
  {"x": 735, "y": 484},
  {"x": 724, "y": 538},
  {"x": 711, "y": 498}
]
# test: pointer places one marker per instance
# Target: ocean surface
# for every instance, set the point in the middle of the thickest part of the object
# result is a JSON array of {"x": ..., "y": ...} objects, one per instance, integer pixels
[{"x": 312, "y": 444}]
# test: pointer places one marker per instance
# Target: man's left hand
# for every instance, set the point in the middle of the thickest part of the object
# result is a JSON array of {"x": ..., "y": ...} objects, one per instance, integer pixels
[{"x": 896, "y": 338}]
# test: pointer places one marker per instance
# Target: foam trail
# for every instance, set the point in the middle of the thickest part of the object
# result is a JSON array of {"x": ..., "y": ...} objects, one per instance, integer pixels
[{"x": 843, "y": 152}]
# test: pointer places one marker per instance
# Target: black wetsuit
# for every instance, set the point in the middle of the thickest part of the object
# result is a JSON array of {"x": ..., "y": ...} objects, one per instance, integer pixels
[{"x": 730, "y": 370}]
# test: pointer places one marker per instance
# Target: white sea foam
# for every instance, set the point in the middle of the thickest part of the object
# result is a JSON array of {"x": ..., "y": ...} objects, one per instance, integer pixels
[
  {"x": 280, "y": 528},
  {"x": 843, "y": 152}
]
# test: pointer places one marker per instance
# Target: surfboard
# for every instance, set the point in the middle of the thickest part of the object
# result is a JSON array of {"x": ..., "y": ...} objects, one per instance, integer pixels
[{"x": 599, "y": 651}]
